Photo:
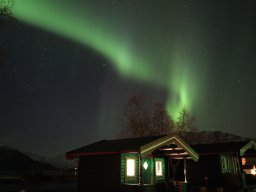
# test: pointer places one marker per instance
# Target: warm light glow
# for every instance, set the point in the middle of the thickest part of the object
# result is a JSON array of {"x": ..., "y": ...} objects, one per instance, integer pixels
[
  {"x": 145, "y": 165},
  {"x": 253, "y": 171},
  {"x": 243, "y": 161},
  {"x": 159, "y": 168},
  {"x": 130, "y": 167}
]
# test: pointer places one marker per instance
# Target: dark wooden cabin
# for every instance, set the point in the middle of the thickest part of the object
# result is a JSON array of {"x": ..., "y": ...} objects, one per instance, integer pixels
[
  {"x": 132, "y": 164},
  {"x": 226, "y": 166}
]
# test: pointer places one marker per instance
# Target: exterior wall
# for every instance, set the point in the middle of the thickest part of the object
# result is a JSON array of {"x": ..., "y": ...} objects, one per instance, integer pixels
[
  {"x": 231, "y": 181},
  {"x": 212, "y": 171},
  {"x": 99, "y": 173},
  {"x": 249, "y": 181},
  {"x": 231, "y": 174},
  {"x": 176, "y": 169},
  {"x": 107, "y": 173},
  {"x": 204, "y": 172},
  {"x": 150, "y": 182}
]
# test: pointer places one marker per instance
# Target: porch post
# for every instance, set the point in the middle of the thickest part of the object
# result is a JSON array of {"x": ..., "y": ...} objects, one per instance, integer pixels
[
  {"x": 140, "y": 170},
  {"x": 152, "y": 171},
  {"x": 185, "y": 170}
]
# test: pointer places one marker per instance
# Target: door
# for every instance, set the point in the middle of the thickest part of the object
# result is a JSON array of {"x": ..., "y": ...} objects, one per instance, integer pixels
[{"x": 147, "y": 171}]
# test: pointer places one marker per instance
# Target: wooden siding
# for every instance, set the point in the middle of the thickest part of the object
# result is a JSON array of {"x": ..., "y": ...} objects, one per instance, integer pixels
[
  {"x": 231, "y": 182},
  {"x": 209, "y": 166},
  {"x": 206, "y": 171},
  {"x": 249, "y": 181},
  {"x": 98, "y": 173}
]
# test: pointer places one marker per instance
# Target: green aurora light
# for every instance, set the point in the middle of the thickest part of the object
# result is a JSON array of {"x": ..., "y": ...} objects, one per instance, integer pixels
[{"x": 160, "y": 55}]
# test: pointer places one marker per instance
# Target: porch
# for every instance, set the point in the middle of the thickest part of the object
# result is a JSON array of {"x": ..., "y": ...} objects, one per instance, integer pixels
[{"x": 157, "y": 165}]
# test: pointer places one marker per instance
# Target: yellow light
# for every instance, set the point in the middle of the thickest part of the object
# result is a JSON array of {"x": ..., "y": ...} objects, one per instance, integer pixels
[
  {"x": 253, "y": 171},
  {"x": 130, "y": 167},
  {"x": 243, "y": 161}
]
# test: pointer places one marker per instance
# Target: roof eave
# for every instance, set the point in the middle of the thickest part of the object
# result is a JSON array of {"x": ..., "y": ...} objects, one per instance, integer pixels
[
  {"x": 169, "y": 139},
  {"x": 71, "y": 156},
  {"x": 249, "y": 145}
]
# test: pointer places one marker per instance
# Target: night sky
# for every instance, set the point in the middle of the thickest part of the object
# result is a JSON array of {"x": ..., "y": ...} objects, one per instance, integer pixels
[{"x": 69, "y": 67}]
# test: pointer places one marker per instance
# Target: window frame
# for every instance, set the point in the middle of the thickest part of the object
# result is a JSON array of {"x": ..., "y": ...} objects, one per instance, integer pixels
[
  {"x": 159, "y": 173},
  {"x": 224, "y": 164},
  {"x": 126, "y": 167}
]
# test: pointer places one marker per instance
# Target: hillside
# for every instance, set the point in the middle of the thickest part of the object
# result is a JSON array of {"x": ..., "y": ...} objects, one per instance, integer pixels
[
  {"x": 59, "y": 161},
  {"x": 201, "y": 137},
  {"x": 13, "y": 162}
]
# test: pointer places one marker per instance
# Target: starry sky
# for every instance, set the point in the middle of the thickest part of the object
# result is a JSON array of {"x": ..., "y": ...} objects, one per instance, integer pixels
[{"x": 69, "y": 66}]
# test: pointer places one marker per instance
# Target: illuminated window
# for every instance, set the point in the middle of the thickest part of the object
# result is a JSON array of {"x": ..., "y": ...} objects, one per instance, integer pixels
[
  {"x": 159, "y": 168},
  {"x": 253, "y": 171},
  {"x": 130, "y": 167}
]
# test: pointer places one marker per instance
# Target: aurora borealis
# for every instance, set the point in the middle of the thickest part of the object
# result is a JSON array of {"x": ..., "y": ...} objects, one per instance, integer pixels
[
  {"x": 163, "y": 62},
  {"x": 194, "y": 54}
]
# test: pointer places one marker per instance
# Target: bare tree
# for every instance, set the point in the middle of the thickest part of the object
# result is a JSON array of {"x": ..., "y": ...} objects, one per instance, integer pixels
[
  {"x": 6, "y": 8},
  {"x": 136, "y": 119},
  {"x": 162, "y": 123},
  {"x": 139, "y": 121},
  {"x": 185, "y": 121}
]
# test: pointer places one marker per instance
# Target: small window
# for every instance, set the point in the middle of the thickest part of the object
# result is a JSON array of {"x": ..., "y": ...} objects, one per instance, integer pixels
[
  {"x": 130, "y": 167},
  {"x": 159, "y": 168},
  {"x": 224, "y": 164}
]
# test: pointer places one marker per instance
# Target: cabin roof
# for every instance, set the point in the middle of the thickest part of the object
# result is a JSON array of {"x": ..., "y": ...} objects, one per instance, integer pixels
[
  {"x": 112, "y": 146},
  {"x": 229, "y": 147},
  {"x": 143, "y": 145}
]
